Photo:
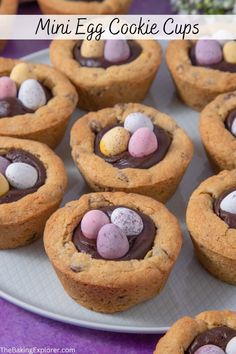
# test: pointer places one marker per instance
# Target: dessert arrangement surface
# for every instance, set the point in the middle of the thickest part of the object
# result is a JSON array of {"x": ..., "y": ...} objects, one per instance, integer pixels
[{"x": 127, "y": 262}]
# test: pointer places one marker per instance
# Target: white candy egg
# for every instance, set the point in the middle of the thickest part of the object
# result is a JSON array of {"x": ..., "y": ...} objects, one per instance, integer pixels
[
  {"x": 231, "y": 346},
  {"x": 32, "y": 95},
  {"x": 127, "y": 220},
  {"x": 229, "y": 203},
  {"x": 137, "y": 120},
  {"x": 21, "y": 175},
  {"x": 233, "y": 127}
]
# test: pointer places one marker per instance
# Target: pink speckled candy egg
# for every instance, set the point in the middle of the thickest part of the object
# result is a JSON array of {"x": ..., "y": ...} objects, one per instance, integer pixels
[
  {"x": 208, "y": 52},
  {"x": 4, "y": 163},
  {"x": 116, "y": 51},
  {"x": 142, "y": 143},
  {"x": 7, "y": 87},
  {"x": 209, "y": 349},
  {"x": 92, "y": 222},
  {"x": 112, "y": 243}
]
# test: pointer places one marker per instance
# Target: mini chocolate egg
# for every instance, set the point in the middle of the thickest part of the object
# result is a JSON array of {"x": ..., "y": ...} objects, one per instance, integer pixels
[
  {"x": 4, "y": 163},
  {"x": 228, "y": 204},
  {"x": 127, "y": 220},
  {"x": 92, "y": 49},
  {"x": 7, "y": 87},
  {"x": 22, "y": 72},
  {"x": 32, "y": 94},
  {"x": 116, "y": 51},
  {"x": 115, "y": 141},
  {"x": 208, "y": 52},
  {"x": 222, "y": 35},
  {"x": 209, "y": 349},
  {"x": 142, "y": 143},
  {"x": 112, "y": 242},
  {"x": 137, "y": 120},
  {"x": 92, "y": 222},
  {"x": 4, "y": 185},
  {"x": 21, "y": 175},
  {"x": 229, "y": 50},
  {"x": 233, "y": 127},
  {"x": 231, "y": 346}
]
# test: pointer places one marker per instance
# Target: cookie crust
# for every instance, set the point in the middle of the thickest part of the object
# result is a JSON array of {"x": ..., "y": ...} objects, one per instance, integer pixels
[
  {"x": 23, "y": 221},
  {"x": 184, "y": 331},
  {"x": 111, "y": 286},
  {"x": 159, "y": 182},
  {"x": 213, "y": 240},
  {"x": 219, "y": 142},
  {"x": 197, "y": 86},
  {"x": 100, "y": 88},
  {"x": 82, "y": 7},
  {"x": 48, "y": 123}
]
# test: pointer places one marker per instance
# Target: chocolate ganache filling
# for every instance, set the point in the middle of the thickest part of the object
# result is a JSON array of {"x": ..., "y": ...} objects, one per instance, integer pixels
[
  {"x": 12, "y": 106},
  {"x": 228, "y": 218},
  {"x": 139, "y": 244},
  {"x": 229, "y": 120},
  {"x": 23, "y": 156},
  {"x": 125, "y": 160},
  {"x": 218, "y": 336},
  {"x": 222, "y": 66},
  {"x": 135, "y": 51}
]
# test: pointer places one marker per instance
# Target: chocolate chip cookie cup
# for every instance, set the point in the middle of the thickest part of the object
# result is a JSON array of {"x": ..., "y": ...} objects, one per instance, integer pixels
[
  {"x": 36, "y": 102},
  {"x": 32, "y": 184},
  {"x": 131, "y": 148},
  {"x": 113, "y": 272},
  {"x": 107, "y": 73},
  {"x": 217, "y": 129},
  {"x": 199, "y": 82},
  {"x": 211, "y": 221},
  {"x": 211, "y": 332},
  {"x": 7, "y": 8},
  {"x": 87, "y": 7}
]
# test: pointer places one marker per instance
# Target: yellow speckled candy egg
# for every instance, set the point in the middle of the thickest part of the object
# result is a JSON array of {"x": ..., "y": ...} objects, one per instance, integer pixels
[
  {"x": 92, "y": 49},
  {"x": 230, "y": 52},
  {"x": 4, "y": 185},
  {"x": 22, "y": 72},
  {"x": 115, "y": 141}
]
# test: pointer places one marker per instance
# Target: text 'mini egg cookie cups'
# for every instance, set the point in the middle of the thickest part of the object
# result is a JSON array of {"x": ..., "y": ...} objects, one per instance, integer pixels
[
  {"x": 218, "y": 131},
  {"x": 70, "y": 7},
  {"x": 36, "y": 101},
  {"x": 32, "y": 184},
  {"x": 211, "y": 332},
  {"x": 211, "y": 221},
  {"x": 200, "y": 80},
  {"x": 156, "y": 174},
  {"x": 111, "y": 281},
  {"x": 107, "y": 72}
]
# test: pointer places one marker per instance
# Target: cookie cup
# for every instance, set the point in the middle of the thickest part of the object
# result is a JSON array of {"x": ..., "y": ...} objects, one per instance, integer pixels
[
  {"x": 23, "y": 221},
  {"x": 62, "y": 7},
  {"x": 100, "y": 88},
  {"x": 197, "y": 86},
  {"x": 49, "y": 122},
  {"x": 180, "y": 336},
  {"x": 214, "y": 241},
  {"x": 111, "y": 286},
  {"x": 7, "y": 7},
  {"x": 159, "y": 182},
  {"x": 219, "y": 142}
]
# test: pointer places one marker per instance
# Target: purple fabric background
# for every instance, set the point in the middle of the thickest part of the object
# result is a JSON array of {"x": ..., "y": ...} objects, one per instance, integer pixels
[{"x": 19, "y": 328}]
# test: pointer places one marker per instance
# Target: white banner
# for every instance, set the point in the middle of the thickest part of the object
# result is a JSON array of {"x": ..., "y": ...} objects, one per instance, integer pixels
[{"x": 117, "y": 27}]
